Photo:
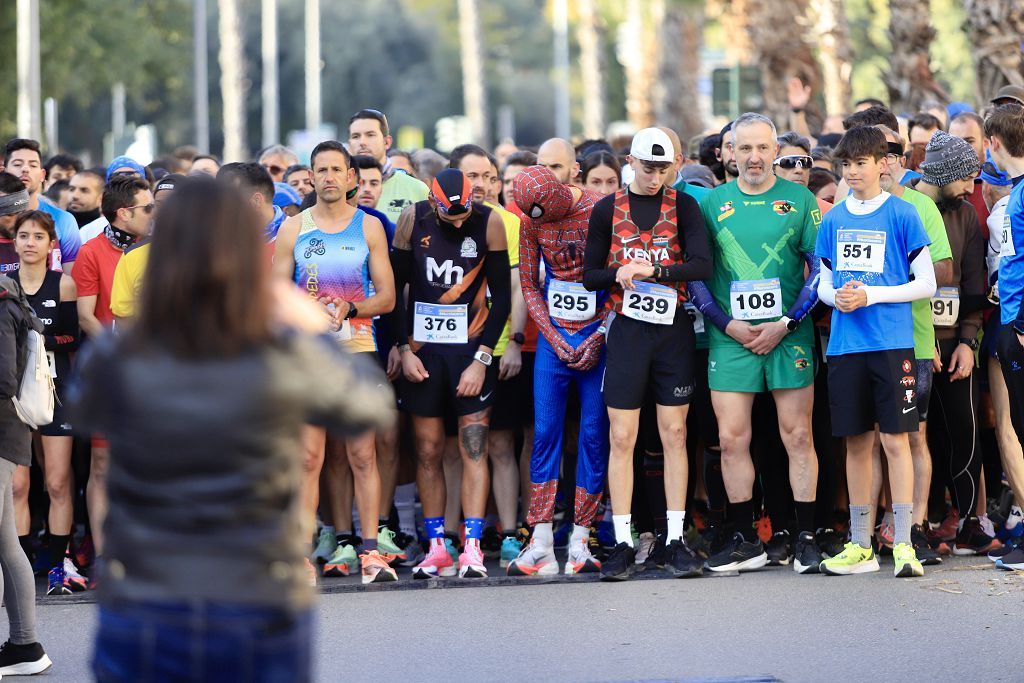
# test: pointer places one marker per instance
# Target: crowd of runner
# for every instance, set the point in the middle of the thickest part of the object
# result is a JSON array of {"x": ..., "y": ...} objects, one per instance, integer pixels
[{"x": 760, "y": 347}]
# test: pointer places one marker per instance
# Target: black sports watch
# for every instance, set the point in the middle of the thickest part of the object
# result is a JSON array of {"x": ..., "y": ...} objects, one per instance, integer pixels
[
  {"x": 352, "y": 311},
  {"x": 971, "y": 342},
  {"x": 518, "y": 338}
]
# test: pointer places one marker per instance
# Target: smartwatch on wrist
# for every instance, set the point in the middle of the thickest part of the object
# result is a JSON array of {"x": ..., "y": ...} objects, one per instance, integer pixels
[
  {"x": 352, "y": 311},
  {"x": 790, "y": 323},
  {"x": 518, "y": 338},
  {"x": 483, "y": 358},
  {"x": 971, "y": 342}
]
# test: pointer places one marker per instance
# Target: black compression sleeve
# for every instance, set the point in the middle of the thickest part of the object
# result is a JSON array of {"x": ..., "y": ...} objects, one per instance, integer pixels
[
  {"x": 695, "y": 241},
  {"x": 596, "y": 276},
  {"x": 401, "y": 264},
  {"x": 499, "y": 275}
]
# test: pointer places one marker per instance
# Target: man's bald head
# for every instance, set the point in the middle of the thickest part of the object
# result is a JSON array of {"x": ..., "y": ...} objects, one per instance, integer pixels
[
  {"x": 677, "y": 163},
  {"x": 560, "y": 156}
]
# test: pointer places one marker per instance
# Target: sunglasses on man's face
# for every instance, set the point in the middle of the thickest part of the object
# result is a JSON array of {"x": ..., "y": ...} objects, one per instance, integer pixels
[
  {"x": 146, "y": 208},
  {"x": 794, "y": 161},
  {"x": 273, "y": 169}
]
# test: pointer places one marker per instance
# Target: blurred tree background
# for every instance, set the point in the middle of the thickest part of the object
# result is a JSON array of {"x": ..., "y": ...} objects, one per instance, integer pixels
[{"x": 403, "y": 57}]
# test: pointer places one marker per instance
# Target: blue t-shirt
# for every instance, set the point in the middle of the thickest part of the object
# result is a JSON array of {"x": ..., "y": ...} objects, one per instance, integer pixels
[
  {"x": 1011, "y": 268},
  {"x": 909, "y": 177},
  {"x": 69, "y": 239},
  {"x": 846, "y": 241}
]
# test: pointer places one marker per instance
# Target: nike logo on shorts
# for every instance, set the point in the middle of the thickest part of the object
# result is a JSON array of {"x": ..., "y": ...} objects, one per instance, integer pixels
[
  {"x": 484, "y": 397},
  {"x": 907, "y": 410}
]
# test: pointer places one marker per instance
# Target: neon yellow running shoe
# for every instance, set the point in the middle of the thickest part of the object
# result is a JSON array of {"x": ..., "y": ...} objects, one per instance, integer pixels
[
  {"x": 853, "y": 560},
  {"x": 906, "y": 560}
]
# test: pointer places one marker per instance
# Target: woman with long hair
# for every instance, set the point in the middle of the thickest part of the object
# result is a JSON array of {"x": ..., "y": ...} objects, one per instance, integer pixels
[
  {"x": 53, "y": 297},
  {"x": 601, "y": 173},
  {"x": 202, "y": 401}
]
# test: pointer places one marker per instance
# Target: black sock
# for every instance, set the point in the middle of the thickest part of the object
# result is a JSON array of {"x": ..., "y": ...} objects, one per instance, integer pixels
[
  {"x": 58, "y": 548},
  {"x": 26, "y": 545},
  {"x": 804, "y": 516},
  {"x": 742, "y": 514}
]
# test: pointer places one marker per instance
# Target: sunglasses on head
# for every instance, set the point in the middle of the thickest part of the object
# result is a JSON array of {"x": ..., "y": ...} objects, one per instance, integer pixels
[{"x": 794, "y": 161}]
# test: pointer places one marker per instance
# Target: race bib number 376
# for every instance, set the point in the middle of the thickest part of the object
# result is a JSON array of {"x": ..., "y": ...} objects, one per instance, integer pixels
[{"x": 440, "y": 324}]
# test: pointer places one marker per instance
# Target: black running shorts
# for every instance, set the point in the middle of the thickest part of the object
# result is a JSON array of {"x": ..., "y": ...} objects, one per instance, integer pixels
[
  {"x": 873, "y": 387},
  {"x": 643, "y": 355},
  {"x": 429, "y": 397}
]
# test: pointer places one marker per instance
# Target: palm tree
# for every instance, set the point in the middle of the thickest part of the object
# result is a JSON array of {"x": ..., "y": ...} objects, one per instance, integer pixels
[
  {"x": 910, "y": 79},
  {"x": 232, "y": 75},
  {"x": 995, "y": 28},
  {"x": 680, "y": 25},
  {"x": 590, "y": 34},
  {"x": 834, "y": 53},
  {"x": 474, "y": 89},
  {"x": 637, "y": 51}
]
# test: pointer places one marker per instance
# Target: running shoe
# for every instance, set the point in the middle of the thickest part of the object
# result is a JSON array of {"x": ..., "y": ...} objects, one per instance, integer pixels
[
  {"x": 376, "y": 568},
  {"x": 387, "y": 546},
  {"x": 1005, "y": 550},
  {"x": 712, "y": 540},
  {"x": 830, "y": 542},
  {"x": 656, "y": 558},
  {"x": 681, "y": 562},
  {"x": 490, "y": 543},
  {"x": 72, "y": 578},
  {"x": 619, "y": 565},
  {"x": 973, "y": 539},
  {"x": 326, "y": 543},
  {"x": 437, "y": 562},
  {"x": 854, "y": 559},
  {"x": 779, "y": 549},
  {"x": 906, "y": 562},
  {"x": 510, "y": 548},
  {"x": 806, "y": 554},
  {"x": 533, "y": 560},
  {"x": 471, "y": 563},
  {"x": 934, "y": 535},
  {"x": 85, "y": 552},
  {"x": 580, "y": 560},
  {"x": 342, "y": 562},
  {"x": 57, "y": 581},
  {"x": 412, "y": 548},
  {"x": 925, "y": 554},
  {"x": 738, "y": 555},
  {"x": 23, "y": 660},
  {"x": 644, "y": 547},
  {"x": 947, "y": 529},
  {"x": 1012, "y": 560}
]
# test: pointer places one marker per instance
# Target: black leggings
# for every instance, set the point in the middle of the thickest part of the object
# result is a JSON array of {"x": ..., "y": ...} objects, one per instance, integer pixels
[{"x": 953, "y": 437}]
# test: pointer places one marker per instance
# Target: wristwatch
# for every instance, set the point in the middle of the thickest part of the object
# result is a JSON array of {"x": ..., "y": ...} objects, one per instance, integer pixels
[
  {"x": 790, "y": 323},
  {"x": 659, "y": 272},
  {"x": 518, "y": 338},
  {"x": 352, "y": 311},
  {"x": 971, "y": 342},
  {"x": 484, "y": 358}
]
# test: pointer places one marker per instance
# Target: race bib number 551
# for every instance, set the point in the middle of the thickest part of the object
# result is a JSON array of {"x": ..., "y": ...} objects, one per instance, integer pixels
[
  {"x": 650, "y": 302},
  {"x": 861, "y": 251},
  {"x": 440, "y": 324}
]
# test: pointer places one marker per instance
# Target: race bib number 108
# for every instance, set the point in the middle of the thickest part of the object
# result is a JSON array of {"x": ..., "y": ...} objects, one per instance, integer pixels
[{"x": 756, "y": 299}]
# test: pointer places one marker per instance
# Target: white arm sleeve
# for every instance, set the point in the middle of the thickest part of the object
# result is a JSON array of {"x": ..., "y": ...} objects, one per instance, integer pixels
[
  {"x": 921, "y": 287},
  {"x": 826, "y": 292}
]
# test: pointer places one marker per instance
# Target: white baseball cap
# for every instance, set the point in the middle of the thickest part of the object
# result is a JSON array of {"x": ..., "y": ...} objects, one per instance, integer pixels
[{"x": 651, "y": 144}]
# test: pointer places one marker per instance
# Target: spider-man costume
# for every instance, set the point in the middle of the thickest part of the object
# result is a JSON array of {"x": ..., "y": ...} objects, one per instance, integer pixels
[{"x": 554, "y": 232}]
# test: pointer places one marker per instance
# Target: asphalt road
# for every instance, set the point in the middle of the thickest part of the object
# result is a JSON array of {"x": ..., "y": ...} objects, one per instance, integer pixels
[{"x": 956, "y": 623}]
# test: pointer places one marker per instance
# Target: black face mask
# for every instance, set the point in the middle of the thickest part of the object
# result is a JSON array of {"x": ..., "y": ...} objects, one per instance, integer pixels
[{"x": 85, "y": 217}]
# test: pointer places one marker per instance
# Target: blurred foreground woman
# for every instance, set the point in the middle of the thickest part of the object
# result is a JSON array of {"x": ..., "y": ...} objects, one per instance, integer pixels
[{"x": 202, "y": 400}]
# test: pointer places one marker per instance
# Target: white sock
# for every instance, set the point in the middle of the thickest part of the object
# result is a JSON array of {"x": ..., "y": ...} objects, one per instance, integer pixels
[
  {"x": 543, "y": 536},
  {"x": 405, "y": 501},
  {"x": 580, "y": 534},
  {"x": 623, "y": 534},
  {"x": 675, "y": 525}
]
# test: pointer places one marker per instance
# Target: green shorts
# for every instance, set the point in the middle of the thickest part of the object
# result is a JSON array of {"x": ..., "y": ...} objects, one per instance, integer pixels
[{"x": 790, "y": 365}]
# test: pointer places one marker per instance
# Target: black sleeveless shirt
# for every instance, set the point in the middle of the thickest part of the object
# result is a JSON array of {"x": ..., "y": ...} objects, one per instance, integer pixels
[{"x": 60, "y": 323}]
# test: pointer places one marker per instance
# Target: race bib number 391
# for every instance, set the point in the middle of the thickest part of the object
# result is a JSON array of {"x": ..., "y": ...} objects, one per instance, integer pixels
[
  {"x": 650, "y": 302},
  {"x": 570, "y": 301},
  {"x": 946, "y": 307},
  {"x": 861, "y": 251},
  {"x": 440, "y": 324},
  {"x": 756, "y": 299}
]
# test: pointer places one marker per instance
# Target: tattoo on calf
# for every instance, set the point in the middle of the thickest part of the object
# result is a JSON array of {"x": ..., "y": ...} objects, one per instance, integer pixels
[{"x": 474, "y": 440}]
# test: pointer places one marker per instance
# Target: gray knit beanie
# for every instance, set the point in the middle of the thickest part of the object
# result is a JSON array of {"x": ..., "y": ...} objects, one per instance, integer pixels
[{"x": 948, "y": 159}]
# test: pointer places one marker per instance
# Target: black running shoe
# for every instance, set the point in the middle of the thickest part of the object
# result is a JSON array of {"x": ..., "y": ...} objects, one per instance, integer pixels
[
  {"x": 780, "y": 548},
  {"x": 681, "y": 561},
  {"x": 656, "y": 558},
  {"x": 619, "y": 565},
  {"x": 738, "y": 555},
  {"x": 23, "y": 660},
  {"x": 973, "y": 539},
  {"x": 806, "y": 556},
  {"x": 925, "y": 554},
  {"x": 830, "y": 542},
  {"x": 1012, "y": 560},
  {"x": 1010, "y": 546}
]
